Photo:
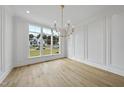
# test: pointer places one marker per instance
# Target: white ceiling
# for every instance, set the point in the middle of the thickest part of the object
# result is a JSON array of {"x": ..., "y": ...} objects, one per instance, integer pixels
[{"x": 47, "y": 14}]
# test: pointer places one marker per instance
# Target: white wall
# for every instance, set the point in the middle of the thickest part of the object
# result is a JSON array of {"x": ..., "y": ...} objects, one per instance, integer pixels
[
  {"x": 117, "y": 41},
  {"x": 95, "y": 41},
  {"x": 0, "y": 41},
  {"x": 6, "y": 42},
  {"x": 8, "y": 37},
  {"x": 21, "y": 47},
  {"x": 99, "y": 41}
]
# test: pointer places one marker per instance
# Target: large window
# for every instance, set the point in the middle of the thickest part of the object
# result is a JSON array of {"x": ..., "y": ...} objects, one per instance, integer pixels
[
  {"x": 43, "y": 41},
  {"x": 56, "y": 43},
  {"x": 34, "y": 41},
  {"x": 46, "y": 36}
]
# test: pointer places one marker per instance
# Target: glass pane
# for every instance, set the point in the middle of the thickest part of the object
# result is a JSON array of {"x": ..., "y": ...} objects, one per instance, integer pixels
[
  {"x": 34, "y": 41},
  {"x": 55, "y": 49},
  {"x": 46, "y": 36}
]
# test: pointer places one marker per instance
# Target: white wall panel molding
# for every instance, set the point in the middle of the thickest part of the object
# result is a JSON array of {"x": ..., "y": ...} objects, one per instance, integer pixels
[
  {"x": 116, "y": 41},
  {"x": 2, "y": 28},
  {"x": 109, "y": 68},
  {"x": 85, "y": 41},
  {"x": 0, "y": 41},
  {"x": 79, "y": 43},
  {"x": 108, "y": 40},
  {"x": 2, "y": 38},
  {"x": 103, "y": 46},
  {"x": 96, "y": 41},
  {"x": 5, "y": 43},
  {"x": 81, "y": 38},
  {"x": 106, "y": 35},
  {"x": 71, "y": 45}
]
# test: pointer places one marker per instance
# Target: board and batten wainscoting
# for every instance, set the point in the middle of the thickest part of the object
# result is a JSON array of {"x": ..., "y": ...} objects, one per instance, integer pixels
[
  {"x": 6, "y": 42},
  {"x": 99, "y": 42}
]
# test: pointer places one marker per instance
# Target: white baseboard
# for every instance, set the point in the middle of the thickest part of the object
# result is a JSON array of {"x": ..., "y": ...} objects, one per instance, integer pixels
[
  {"x": 109, "y": 68},
  {"x": 30, "y": 61},
  {"x": 4, "y": 75}
]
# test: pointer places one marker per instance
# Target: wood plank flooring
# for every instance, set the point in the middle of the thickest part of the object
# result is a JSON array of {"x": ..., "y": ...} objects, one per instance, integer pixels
[{"x": 61, "y": 73}]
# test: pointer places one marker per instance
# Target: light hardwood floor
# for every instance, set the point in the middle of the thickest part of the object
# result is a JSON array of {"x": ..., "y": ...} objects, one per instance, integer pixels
[{"x": 61, "y": 73}]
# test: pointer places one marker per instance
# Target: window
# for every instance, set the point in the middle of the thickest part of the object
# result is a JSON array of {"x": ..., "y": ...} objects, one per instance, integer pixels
[
  {"x": 43, "y": 41},
  {"x": 34, "y": 41},
  {"x": 56, "y": 43},
  {"x": 46, "y": 36}
]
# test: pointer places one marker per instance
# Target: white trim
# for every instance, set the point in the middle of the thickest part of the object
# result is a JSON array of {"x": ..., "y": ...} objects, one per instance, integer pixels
[
  {"x": 108, "y": 40},
  {"x": 2, "y": 37},
  {"x": 41, "y": 48},
  {"x": 105, "y": 47},
  {"x": 40, "y": 60},
  {"x": 107, "y": 68},
  {"x": 104, "y": 41},
  {"x": 43, "y": 56},
  {"x": 101, "y": 48},
  {"x": 4, "y": 71},
  {"x": 4, "y": 75},
  {"x": 29, "y": 41},
  {"x": 1, "y": 40}
]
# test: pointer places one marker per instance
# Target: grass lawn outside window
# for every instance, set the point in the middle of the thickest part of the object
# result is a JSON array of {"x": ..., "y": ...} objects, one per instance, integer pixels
[{"x": 34, "y": 52}]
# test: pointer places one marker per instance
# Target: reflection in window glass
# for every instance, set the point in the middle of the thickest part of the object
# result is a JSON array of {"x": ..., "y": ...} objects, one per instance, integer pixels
[
  {"x": 46, "y": 36},
  {"x": 55, "y": 48},
  {"x": 34, "y": 41}
]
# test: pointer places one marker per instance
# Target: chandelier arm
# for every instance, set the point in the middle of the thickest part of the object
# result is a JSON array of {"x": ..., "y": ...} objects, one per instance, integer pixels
[{"x": 67, "y": 31}]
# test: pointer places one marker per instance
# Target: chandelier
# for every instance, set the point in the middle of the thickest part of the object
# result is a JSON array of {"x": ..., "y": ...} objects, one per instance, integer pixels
[{"x": 65, "y": 30}]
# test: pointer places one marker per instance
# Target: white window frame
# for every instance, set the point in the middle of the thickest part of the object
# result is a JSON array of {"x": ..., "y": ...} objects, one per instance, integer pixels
[
  {"x": 29, "y": 42},
  {"x": 59, "y": 44},
  {"x": 41, "y": 46},
  {"x": 50, "y": 41}
]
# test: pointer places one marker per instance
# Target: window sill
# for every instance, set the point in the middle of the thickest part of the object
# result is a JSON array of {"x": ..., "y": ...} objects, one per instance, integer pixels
[
  {"x": 43, "y": 56},
  {"x": 34, "y": 57}
]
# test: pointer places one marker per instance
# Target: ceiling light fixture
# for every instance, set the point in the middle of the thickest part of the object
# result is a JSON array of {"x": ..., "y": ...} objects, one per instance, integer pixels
[
  {"x": 68, "y": 28},
  {"x": 27, "y": 12}
]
